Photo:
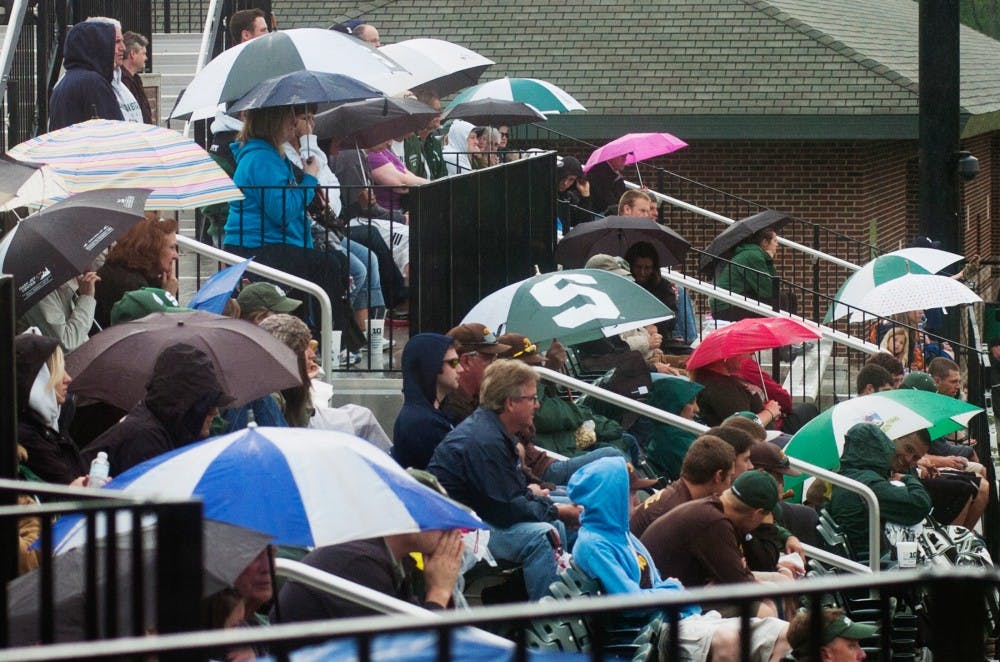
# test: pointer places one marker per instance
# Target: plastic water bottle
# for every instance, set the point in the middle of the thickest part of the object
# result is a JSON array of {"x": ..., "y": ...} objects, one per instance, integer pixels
[{"x": 100, "y": 469}]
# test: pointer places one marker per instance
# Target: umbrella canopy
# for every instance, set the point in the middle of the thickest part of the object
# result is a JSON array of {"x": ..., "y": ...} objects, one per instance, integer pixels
[
  {"x": 14, "y": 175},
  {"x": 51, "y": 246},
  {"x": 44, "y": 184},
  {"x": 438, "y": 65},
  {"x": 884, "y": 269},
  {"x": 115, "y": 365},
  {"x": 739, "y": 232},
  {"x": 307, "y": 488},
  {"x": 574, "y": 306},
  {"x": 494, "y": 112},
  {"x": 635, "y": 147},
  {"x": 227, "y": 551},
  {"x": 750, "y": 335},
  {"x": 614, "y": 235},
  {"x": 544, "y": 96},
  {"x": 237, "y": 70},
  {"x": 217, "y": 290},
  {"x": 109, "y": 153},
  {"x": 301, "y": 87},
  {"x": 896, "y": 413},
  {"x": 368, "y": 123},
  {"x": 914, "y": 292}
]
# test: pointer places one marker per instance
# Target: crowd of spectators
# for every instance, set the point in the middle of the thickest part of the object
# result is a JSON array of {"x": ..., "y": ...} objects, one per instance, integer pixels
[{"x": 642, "y": 506}]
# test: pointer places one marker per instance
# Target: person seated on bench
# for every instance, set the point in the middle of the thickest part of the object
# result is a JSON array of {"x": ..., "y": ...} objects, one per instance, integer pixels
[
  {"x": 868, "y": 458},
  {"x": 607, "y": 551}
]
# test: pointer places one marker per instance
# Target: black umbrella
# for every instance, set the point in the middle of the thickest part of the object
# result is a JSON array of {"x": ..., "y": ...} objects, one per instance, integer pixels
[
  {"x": 228, "y": 550},
  {"x": 494, "y": 112},
  {"x": 614, "y": 234},
  {"x": 368, "y": 123},
  {"x": 739, "y": 232},
  {"x": 49, "y": 247},
  {"x": 301, "y": 87},
  {"x": 115, "y": 365}
]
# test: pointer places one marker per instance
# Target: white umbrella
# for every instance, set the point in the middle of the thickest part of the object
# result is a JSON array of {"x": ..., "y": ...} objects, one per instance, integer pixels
[
  {"x": 236, "y": 71},
  {"x": 439, "y": 64}
]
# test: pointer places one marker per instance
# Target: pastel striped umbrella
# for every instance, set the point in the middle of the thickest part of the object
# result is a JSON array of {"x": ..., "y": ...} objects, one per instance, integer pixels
[
  {"x": 543, "y": 95},
  {"x": 113, "y": 154}
]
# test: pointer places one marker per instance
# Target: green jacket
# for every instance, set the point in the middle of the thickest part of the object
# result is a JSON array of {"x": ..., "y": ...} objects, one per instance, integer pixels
[
  {"x": 669, "y": 444},
  {"x": 557, "y": 420},
  {"x": 867, "y": 458},
  {"x": 424, "y": 158},
  {"x": 758, "y": 283}
]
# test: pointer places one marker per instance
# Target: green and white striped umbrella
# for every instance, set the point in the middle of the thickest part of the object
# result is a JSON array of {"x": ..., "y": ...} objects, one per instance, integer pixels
[
  {"x": 544, "y": 96},
  {"x": 896, "y": 413},
  {"x": 575, "y": 306},
  {"x": 898, "y": 282}
]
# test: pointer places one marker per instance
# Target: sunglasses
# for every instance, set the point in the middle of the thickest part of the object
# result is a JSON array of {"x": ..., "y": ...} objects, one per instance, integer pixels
[
  {"x": 504, "y": 134},
  {"x": 452, "y": 362}
]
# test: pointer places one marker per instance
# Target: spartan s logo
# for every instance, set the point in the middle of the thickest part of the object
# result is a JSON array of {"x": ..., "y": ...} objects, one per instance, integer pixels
[{"x": 559, "y": 290}]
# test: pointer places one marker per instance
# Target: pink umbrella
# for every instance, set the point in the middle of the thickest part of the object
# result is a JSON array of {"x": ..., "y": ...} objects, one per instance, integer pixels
[
  {"x": 750, "y": 335},
  {"x": 636, "y": 147}
]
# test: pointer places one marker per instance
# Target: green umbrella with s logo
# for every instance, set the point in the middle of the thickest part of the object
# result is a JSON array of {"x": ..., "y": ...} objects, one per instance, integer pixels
[{"x": 575, "y": 306}]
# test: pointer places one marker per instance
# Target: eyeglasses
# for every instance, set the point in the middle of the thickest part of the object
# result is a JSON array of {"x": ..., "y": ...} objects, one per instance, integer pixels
[
  {"x": 452, "y": 362},
  {"x": 526, "y": 397},
  {"x": 504, "y": 134}
]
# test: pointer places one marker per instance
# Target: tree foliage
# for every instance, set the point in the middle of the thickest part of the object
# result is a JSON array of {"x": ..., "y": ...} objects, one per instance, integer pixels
[{"x": 982, "y": 15}]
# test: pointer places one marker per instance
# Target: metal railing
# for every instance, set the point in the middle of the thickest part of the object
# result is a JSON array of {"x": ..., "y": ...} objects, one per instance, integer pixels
[
  {"x": 874, "y": 524},
  {"x": 326, "y": 309},
  {"x": 955, "y": 631},
  {"x": 175, "y": 586}
]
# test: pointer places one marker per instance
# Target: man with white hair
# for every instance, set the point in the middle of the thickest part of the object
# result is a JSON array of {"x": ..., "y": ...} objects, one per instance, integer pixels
[{"x": 127, "y": 103}]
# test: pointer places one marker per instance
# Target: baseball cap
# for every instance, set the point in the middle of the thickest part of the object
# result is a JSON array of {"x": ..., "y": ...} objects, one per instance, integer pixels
[
  {"x": 756, "y": 489},
  {"x": 920, "y": 381},
  {"x": 266, "y": 296},
  {"x": 521, "y": 348},
  {"x": 845, "y": 627},
  {"x": 615, "y": 265},
  {"x": 767, "y": 456},
  {"x": 473, "y": 337},
  {"x": 146, "y": 301}
]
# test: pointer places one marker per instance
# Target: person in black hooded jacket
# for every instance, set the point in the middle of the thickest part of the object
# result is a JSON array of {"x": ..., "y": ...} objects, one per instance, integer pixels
[
  {"x": 182, "y": 396},
  {"x": 41, "y": 391},
  {"x": 428, "y": 376},
  {"x": 85, "y": 91}
]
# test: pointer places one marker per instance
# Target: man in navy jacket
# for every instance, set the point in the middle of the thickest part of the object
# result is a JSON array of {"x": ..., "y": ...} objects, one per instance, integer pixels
[{"x": 85, "y": 92}]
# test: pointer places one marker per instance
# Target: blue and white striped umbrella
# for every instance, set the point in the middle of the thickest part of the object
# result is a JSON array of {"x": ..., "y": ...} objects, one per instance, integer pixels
[{"x": 306, "y": 488}]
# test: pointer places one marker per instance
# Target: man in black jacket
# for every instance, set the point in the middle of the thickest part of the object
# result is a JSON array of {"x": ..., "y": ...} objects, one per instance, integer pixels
[{"x": 182, "y": 397}]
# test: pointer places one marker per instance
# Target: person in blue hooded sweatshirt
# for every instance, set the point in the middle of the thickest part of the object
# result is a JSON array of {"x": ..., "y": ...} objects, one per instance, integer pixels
[
  {"x": 85, "y": 91},
  {"x": 606, "y": 550},
  {"x": 430, "y": 372}
]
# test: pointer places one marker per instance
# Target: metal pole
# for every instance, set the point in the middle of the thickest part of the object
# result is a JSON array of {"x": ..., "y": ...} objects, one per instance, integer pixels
[
  {"x": 212, "y": 18},
  {"x": 10, "y": 37},
  {"x": 8, "y": 446}
]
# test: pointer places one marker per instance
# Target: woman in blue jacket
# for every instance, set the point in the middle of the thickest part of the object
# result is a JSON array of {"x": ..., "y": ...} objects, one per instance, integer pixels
[{"x": 271, "y": 223}]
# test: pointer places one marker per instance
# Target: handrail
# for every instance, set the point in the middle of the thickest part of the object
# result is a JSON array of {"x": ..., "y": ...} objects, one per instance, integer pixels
[
  {"x": 764, "y": 309},
  {"x": 213, "y": 16},
  {"x": 874, "y": 525},
  {"x": 820, "y": 255},
  {"x": 836, "y": 561},
  {"x": 865, "y": 492},
  {"x": 14, "y": 24},
  {"x": 346, "y": 589},
  {"x": 367, "y": 597},
  {"x": 521, "y": 612},
  {"x": 325, "y": 307}
]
